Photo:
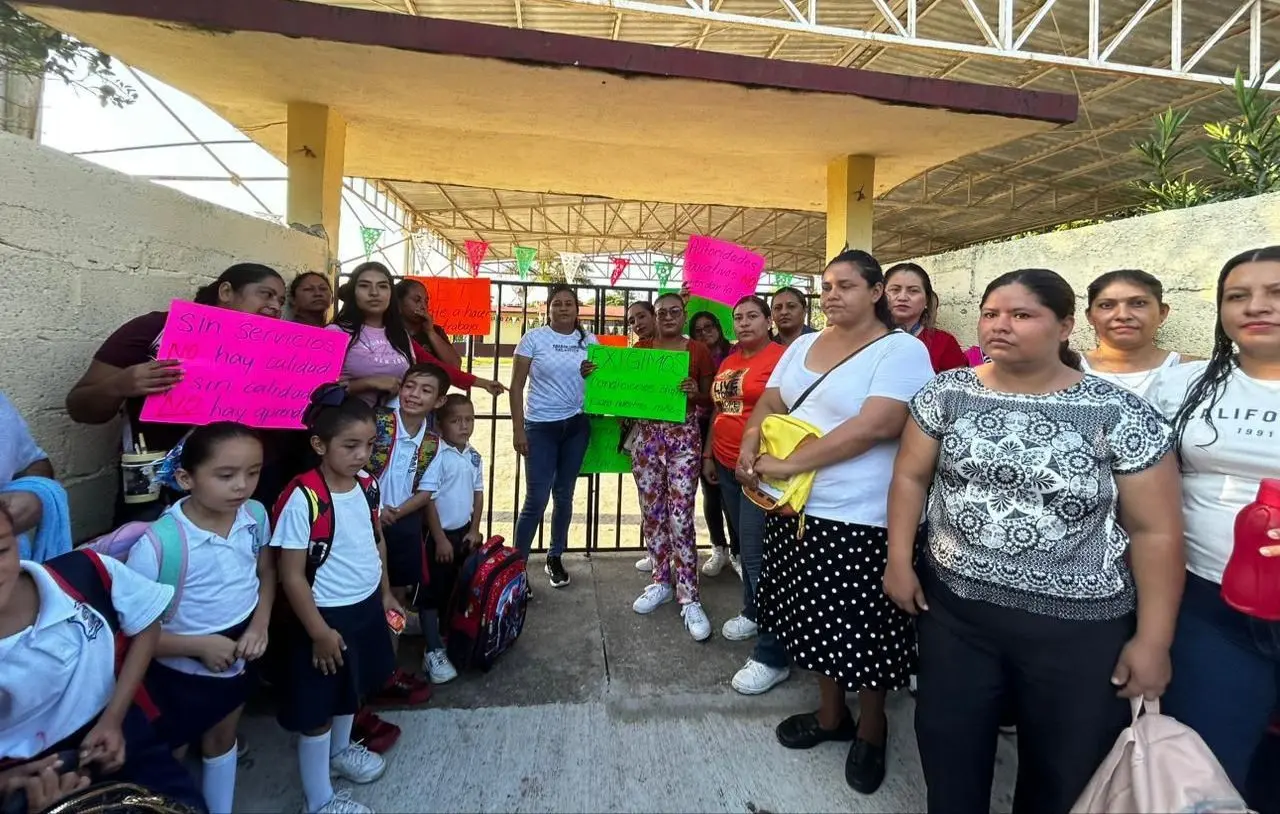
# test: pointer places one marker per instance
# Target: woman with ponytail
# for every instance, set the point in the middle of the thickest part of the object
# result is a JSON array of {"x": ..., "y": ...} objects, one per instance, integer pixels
[
  {"x": 1052, "y": 568},
  {"x": 1226, "y": 420},
  {"x": 125, "y": 369}
]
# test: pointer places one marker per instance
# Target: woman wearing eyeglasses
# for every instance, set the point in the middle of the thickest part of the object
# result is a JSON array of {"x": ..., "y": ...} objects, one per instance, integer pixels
[{"x": 667, "y": 462}]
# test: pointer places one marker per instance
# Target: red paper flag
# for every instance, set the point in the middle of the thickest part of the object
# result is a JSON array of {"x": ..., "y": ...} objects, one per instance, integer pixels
[
  {"x": 476, "y": 250},
  {"x": 619, "y": 265}
]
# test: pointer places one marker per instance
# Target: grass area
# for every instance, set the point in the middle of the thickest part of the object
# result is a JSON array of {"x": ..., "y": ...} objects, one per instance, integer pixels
[{"x": 615, "y": 495}]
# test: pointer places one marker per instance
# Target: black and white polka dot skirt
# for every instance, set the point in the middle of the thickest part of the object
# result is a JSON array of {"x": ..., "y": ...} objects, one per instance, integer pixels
[{"x": 823, "y": 596}]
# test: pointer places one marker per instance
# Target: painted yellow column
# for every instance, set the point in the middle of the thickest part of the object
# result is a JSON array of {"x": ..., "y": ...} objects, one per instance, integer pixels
[
  {"x": 851, "y": 184},
  {"x": 317, "y": 150}
]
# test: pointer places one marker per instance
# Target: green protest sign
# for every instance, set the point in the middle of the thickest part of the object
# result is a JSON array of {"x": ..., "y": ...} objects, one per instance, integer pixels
[
  {"x": 602, "y": 451},
  {"x": 637, "y": 383},
  {"x": 723, "y": 312}
]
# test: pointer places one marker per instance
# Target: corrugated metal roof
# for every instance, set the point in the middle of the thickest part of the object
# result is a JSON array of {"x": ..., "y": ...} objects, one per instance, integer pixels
[{"x": 1078, "y": 171}]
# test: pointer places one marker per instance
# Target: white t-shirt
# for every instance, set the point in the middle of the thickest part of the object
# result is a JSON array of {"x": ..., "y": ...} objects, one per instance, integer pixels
[
  {"x": 1221, "y": 478},
  {"x": 396, "y": 483},
  {"x": 353, "y": 569},
  {"x": 221, "y": 586},
  {"x": 1138, "y": 382},
  {"x": 58, "y": 675},
  {"x": 453, "y": 478},
  {"x": 895, "y": 367},
  {"x": 555, "y": 373}
]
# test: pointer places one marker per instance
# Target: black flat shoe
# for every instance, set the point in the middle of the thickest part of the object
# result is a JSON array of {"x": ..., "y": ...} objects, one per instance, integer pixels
[
  {"x": 802, "y": 731},
  {"x": 864, "y": 767}
]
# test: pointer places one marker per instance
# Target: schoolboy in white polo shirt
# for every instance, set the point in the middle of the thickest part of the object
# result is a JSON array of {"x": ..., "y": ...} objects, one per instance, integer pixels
[
  {"x": 455, "y": 481},
  {"x": 59, "y": 688}
]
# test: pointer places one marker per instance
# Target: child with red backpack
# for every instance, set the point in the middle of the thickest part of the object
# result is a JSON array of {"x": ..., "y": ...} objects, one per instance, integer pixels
[
  {"x": 337, "y": 649},
  {"x": 76, "y": 635},
  {"x": 211, "y": 547}
]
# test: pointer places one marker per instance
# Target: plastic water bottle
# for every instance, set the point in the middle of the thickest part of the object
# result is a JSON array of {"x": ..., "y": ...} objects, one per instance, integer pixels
[{"x": 1251, "y": 582}]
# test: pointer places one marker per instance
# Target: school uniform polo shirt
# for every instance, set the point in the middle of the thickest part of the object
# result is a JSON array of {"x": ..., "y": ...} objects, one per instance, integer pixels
[
  {"x": 453, "y": 479},
  {"x": 221, "y": 586},
  {"x": 58, "y": 674},
  {"x": 396, "y": 483}
]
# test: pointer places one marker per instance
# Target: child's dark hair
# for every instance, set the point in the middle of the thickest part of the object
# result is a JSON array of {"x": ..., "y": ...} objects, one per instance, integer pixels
[
  {"x": 332, "y": 409},
  {"x": 452, "y": 402},
  {"x": 237, "y": 276},
  {"x": 431, "y": 370},
  {"x": 559, "y": 288},
  {"x": 1136, "y": 277},
  {"x": 302, "y": 278},
  {"x": 201, "y": 442}
]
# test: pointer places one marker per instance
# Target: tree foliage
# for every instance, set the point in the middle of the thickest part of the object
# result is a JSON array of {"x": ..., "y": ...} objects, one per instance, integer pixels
[{"x": 31, "y": 48}]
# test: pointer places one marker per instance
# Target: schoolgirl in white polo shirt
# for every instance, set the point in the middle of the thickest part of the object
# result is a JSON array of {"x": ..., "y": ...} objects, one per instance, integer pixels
[
  {"x": 217, "y": 537},
  {"x": 455, "y": 481},
  {"x": 61, "y": 624}
]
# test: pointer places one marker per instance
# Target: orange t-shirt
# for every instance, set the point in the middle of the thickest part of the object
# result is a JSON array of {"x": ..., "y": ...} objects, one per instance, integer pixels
[
  {"x": 700, "y": 363},
  {"x": 737, "y": 387}
]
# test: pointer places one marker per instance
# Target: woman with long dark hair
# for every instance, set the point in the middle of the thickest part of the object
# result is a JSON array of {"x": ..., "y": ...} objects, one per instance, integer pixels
[
  {"x": 1052, "y": 567},
  {"x": 125, "y": 370},
  {"x": 550, "y": 430},
  {"x": 705, "y": 328},
  {"x": 914, "y": 306},
  {"x": 380, "y": 349},
  {"x": 310, "y": 298},
  {"x": 1226, "y": 419},
  {"x": 1126, "y": 310},
  {"x": 415, "y": 308},
  {"x": 820, "y": 576}
]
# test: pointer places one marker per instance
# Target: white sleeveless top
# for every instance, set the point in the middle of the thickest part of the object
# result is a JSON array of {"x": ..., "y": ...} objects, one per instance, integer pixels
[{"x": 1138, "y": 382}]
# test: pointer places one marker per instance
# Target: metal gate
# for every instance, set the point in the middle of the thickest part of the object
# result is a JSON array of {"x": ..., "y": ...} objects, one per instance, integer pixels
[{"x": 606, "y": 507}]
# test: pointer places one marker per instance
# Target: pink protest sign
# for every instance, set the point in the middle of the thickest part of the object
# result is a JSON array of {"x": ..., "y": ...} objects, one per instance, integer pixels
[
  {"x": 242, "y": 367},
  {"x": 720, "y": 270}
]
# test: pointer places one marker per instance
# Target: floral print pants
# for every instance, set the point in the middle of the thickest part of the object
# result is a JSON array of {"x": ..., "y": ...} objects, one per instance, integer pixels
[{"x": 666, "y": 461}]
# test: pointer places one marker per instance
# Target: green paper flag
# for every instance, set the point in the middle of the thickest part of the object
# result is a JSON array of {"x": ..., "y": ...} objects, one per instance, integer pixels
[
  {"x": 370, "y": 237},
  {"x": 722, "y": 312},
  {"x": 663, "y": 269},
  {"x": 637, "y": 383},
  {"x": 525, "y": 257},
  {"x": 602, "y": 451},
  {"x": 782, "y": 279}
]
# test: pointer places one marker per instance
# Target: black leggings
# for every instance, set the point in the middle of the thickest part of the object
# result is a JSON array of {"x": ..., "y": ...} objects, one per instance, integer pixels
[{"x": 713, "y": 509}]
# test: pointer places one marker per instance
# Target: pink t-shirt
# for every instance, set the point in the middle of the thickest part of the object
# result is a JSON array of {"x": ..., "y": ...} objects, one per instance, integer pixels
[{"x": 372, "y": 354}]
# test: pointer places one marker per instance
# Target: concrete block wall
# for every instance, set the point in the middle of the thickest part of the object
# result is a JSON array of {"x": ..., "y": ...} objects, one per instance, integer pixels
[
  {"x": 1186, "y": 249},
  {"x": 84, "y": 249}
]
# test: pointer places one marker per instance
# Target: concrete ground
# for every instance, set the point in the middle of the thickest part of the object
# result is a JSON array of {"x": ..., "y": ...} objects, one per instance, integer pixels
[{"x": 600, "y": 709}]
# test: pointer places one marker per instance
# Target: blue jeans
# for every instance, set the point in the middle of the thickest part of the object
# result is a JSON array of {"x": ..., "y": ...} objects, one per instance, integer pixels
[
  {"x": 556, "y": 450},
  {"x": 748, "y": 520},
  {"x": 1226, "y": 676}
]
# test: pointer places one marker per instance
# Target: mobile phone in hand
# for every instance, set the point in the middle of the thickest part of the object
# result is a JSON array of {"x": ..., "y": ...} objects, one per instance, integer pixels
[{"x": 395, "y": 621}]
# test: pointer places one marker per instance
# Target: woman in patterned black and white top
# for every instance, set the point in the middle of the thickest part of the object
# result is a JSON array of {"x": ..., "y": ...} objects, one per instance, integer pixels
[{"x": 1046, "y": 485}]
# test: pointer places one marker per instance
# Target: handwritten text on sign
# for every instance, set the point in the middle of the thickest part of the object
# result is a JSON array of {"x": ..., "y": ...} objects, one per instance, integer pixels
[
  {"x": 242, "y": 367},
  {"x": 720, "y": 270},
  {"x": 637, "y": 383},
  {"x": 602, "y": 451},
  {"x": 458, "y": 305}
]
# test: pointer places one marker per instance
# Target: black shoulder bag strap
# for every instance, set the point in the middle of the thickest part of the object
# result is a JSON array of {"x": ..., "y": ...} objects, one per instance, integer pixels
[{"x": 824, "y": 376}]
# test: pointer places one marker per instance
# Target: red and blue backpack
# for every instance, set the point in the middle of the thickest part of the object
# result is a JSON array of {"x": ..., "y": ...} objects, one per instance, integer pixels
[
  {"x": 320, "y": 507},
  {"x": 487, "y": 610}
]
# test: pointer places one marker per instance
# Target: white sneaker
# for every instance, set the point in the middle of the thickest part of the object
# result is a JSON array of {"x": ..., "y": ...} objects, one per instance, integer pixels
[
  {"x": 645, "y": 564},
  {"x": 653, "y": 596},
  {"x": 357, "y": 764},
  {"x": 696, "y": 621},
  {"x": 715, "y": 563},
  {"x": 436, "y": 664},
  {"x": 755, "y": 678},
  {"x": 341, "y": 803},
  {"x": 739, "y": 628},
  {"x": 736, "y": 564}
]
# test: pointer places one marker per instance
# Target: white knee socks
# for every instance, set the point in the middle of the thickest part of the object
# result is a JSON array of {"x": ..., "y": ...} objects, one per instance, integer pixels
[
  {"x": 340, "y": 734},
  {"x": 313, "y": 765},
  {"x": 219, "y": 783}
]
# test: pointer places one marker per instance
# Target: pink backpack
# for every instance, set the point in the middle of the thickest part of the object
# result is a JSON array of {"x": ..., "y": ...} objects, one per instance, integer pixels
[{"x": 1159, "y": 765}]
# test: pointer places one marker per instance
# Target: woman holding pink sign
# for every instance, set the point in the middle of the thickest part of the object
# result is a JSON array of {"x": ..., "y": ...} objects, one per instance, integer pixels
[{"x": 125, "y": 370}]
